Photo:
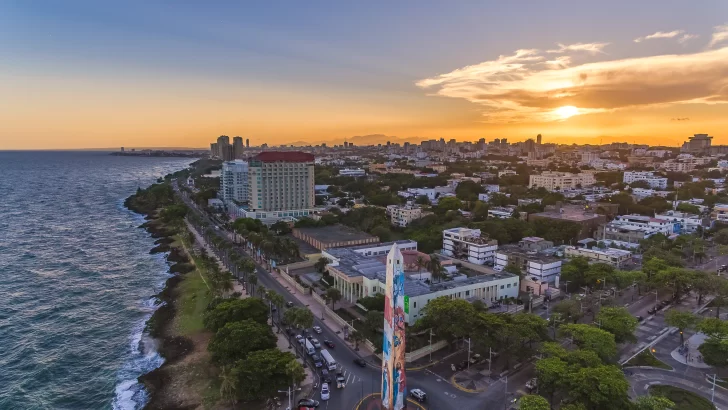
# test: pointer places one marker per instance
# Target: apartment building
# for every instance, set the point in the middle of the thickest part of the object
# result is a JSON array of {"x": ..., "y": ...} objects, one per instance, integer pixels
[
  {"x": 676, "y": 166},
  {"x": 720, "y": 213},
  {"x": 402, "y": 215},
  {"x": 281, "y": 181},
  {"x": 234, "y": 184},
  {"x": 468, "y": 244},
  {"x": 653, "y": 181},
  {"x": 634, "y": 228},
  {"x": 561, "y": 180},
  {"x": 689, "y": 223},
  {"x": 542, "y": 268},
  {"x": 614, "y": 257},
  {"x": 352, "y": 172}
]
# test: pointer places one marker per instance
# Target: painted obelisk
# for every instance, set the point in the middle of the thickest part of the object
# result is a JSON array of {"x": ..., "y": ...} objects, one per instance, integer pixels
[{"x": 394, "y": 386}]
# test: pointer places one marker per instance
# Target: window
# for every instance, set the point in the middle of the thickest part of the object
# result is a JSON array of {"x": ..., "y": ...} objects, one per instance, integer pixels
[
  {"x": 509, "y": 286},
  {"x": 414, "y": 305},
  {"x": 502, "y": 286}
]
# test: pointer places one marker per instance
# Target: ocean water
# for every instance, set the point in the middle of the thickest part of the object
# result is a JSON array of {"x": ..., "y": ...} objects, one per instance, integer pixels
[{"x": 76, "y": 280}]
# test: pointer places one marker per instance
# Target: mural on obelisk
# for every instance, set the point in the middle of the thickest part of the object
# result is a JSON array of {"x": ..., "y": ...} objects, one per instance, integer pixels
[{"x": 394, "y": 386}]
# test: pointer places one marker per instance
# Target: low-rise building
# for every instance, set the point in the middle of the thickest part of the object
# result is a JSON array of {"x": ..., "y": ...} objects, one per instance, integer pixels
[
  {"x": 533, "y": 264},
  {"x": 649, "y": 177},
  {"x": 610, "y": 256},
  {"x": 720, "y": 213},
  {"x": 500, "y": 212},
  {"x": 585, "y": 216},
  {"x": 689, "y": 223},
  {"x": 553, "y": 181},
  {"x": 402, "y": 215},
  {"x": 360, "y": 271},
  {"x": 333, "y": 236},
  {"x": 468, "y": 244},
  {"x": 352, "y": 172}
]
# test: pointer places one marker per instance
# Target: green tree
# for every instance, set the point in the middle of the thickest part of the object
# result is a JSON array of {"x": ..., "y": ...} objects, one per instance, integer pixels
[
  {"x": 592, "y": 338},
  {"x": 321, "y": 263},
  {"x": 334, "y": 295},
  {"x": 599, "y": 388},
  {"x": 448, "y": 204},
  {"x": 514, "y": 269},
  {"x": 450, "y": 319},
  {"x": 264, "y": 372},
  {"x": 689, "y": 208},
  {"x": 551, "y": 374},
  {"x": 721, "y": 236},
  {"x": 357, "y": 337},
  {"x": 574, "y": 272},
  {"x": 468, "y": 191},
  {"x": 569, "y": 309},
  {"x": 281, "y": 228},
  {"x": 619, "y": 322},
  {"x": 374, "y": 321},
  {"x": 681, "y": 320},
  {"x": 422, "y": 200},
  {"x": 653, "y": 403},
  {"x": 534, "y": 402},
  {"x": 236, "y": 340},
  {"x": 235, "y": 310}
]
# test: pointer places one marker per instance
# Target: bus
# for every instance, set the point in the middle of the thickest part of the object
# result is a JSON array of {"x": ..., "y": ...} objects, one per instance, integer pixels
[{"x": 328, "y": 360}]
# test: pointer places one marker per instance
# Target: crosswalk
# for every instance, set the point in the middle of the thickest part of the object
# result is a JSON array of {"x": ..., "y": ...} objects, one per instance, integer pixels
[{"x": 350, "y": 377}]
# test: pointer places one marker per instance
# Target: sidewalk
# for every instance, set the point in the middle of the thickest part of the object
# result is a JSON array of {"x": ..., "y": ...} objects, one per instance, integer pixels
[{"x": 319, "y": 312}]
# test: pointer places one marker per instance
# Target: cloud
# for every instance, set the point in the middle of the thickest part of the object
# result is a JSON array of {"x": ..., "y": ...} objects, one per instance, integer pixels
[
  {"x": 592, "y": 48},
  {"x": 687, "y": 37},
  {"x": 526, "y": 86},
  {"x": 720, "y": 34},
  {"x": 680, "y": 119},
  {"x": 660, "y": 34}
]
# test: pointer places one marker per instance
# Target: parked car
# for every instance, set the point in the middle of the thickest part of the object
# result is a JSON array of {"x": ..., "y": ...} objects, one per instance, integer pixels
[
  {"x": 300, "y": 339},
  {"x": 475, "y": 358},
  {"x": 317, "y": 360},
  {"x": 640, "y": 318},
  {"x": 532, "y": 384},
  {"x": 308, "y": 403},
  {"x": 289, "y": 304},
  {"x": 329, "y": 343},
  {"x": 652, "y": 310},
  {"x": 315, "y": 343},
  {"x": 418, "y": 395},
  {"x": 360, "y": 362},
  {"x": 317, "y": 329},
  {"x": 325, "y": 393}
]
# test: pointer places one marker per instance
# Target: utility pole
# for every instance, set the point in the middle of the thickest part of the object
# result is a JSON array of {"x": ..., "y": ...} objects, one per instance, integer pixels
[
  {"x": 430, "y": 344},
  {"x": 505, "y": 395},
  {"x": 712, "y": 395},
  {"x": 490, "y": 358},
  {"x": 468, "y": 352}
]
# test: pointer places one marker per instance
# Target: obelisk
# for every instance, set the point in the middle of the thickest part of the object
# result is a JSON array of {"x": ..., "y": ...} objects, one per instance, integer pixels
[{"x": 394, "y": 386}]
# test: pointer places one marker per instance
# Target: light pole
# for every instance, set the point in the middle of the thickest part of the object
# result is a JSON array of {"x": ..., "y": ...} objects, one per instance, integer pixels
[
  {"x": 430, "y": 345},
  {"x": 468, "y": 351},
  {"x": 712, "y": 395}
]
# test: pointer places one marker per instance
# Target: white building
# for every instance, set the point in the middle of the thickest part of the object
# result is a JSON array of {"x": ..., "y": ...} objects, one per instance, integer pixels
[
  {"x": 431, "y": 193},
  {"x": 468, "y": 244},
  {"x": 532, "y": 264},
  {"x": 561, "y": 180},
  {"x": 500, "y": 213},
  {"x": 689, "y": 223},
  {"x": 506, "y": 172},
  {"x": 589, "y": 156},
  {"x": 642, "y": 193},
  {"x": 653, "y": 181},
  {"x": 360, "y": 271},
  {"x": 720, "y": 213},
  {"x": 282, "y": 181},
  {"x": 352, "y": 172},
  {"x": 610, "y": 256},
  {"x": 402, "y": 215},
  {"x": 234, "y": 181},
  {"x": 677, "y": 166}
]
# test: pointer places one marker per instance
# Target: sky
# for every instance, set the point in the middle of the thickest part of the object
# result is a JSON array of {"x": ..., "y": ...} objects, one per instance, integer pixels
[{"x": 90, "y": 74}]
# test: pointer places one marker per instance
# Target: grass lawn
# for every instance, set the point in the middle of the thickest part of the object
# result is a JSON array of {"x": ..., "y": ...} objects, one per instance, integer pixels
[
  {"x": 683, "y": 399},
  {"x": 647, "y": 359},
  {"x": 194, "y": 298}
]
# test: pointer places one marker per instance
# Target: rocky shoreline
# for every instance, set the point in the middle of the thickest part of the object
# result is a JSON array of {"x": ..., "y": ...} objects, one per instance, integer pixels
[{"x": 171, "y": 347}]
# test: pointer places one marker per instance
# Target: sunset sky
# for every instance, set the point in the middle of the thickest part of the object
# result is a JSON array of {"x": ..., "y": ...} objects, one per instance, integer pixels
[{"x": 88, "y": 74}]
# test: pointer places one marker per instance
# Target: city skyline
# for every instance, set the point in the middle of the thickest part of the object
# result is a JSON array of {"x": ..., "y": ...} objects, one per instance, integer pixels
[{"x": 84, "y": 75}]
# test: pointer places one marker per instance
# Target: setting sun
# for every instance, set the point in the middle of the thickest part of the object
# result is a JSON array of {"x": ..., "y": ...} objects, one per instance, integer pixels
[{"x": 566, "y": 111}]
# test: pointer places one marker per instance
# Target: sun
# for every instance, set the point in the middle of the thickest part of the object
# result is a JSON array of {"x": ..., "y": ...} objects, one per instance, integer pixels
[{"x": 566, "y": 111}]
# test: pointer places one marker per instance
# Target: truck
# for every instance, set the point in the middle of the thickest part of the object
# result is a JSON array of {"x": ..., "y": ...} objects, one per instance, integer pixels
[
  {"x": 309, "y": 348},
  {"x": 328, "y": 360},
  {"x": 340, "y": 381}
]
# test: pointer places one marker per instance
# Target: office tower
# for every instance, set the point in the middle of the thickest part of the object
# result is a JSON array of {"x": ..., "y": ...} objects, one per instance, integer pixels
[
  {"x": 281, "y": 180},
  {"x": 223, "y": 141},
  {"x": 538, "y": 139},
  {"x": 247, "y": 143},
  {"x": 234, "y": 183},
  {"x": 529, "y": 146},
  {"x": 213, "y": 150},
  {"x": 238, "y": 148},
  {"x": 228, "y": 154},
  {"x": 394, "y": 386}
]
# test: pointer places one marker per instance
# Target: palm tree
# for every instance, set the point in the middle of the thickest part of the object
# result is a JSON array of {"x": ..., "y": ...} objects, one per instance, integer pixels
[
  {"x": 334, "y": 295},
  {"x": 252, "y": 281},
  {"x": 436, "y": 268},
  {"x": 357, "y": 337},
  {"x": 277, "y": 300},
  {"x": 421, "y": 263},
  {"x": 227, "y": 385}
]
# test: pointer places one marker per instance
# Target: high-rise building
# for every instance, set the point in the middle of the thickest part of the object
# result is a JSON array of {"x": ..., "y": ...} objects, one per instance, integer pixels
[
  {"x": 697, "y": 143},
  {"x": 529, "y": 146},
  {"x": 238, "y": 148},
  {"x": 247, "y": 143},
  {"x": 282, "y": 180},
  {"x": 538, "y": 139},
  {"x": 234, "y": 181},
  {"x": 394, "y": 387},
  {"x": 228, "y": 154},
  {"x": 213, "y": 150},
  {"x": 222, "y": 142}
]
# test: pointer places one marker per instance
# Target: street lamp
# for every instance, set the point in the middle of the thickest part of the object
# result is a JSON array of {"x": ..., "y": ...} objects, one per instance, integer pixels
[{"x": 468, "y": 351}]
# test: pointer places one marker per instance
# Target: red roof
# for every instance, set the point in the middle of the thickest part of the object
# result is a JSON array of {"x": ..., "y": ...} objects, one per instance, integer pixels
[{"x": 285, "y": 156}]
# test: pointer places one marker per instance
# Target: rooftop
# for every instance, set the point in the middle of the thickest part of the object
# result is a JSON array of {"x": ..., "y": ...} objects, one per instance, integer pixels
[
  {"x": 569, "y": 214},
  {"x": 284, "y": 156},
  {"x": 335, "y": 233},
  {"x": 513, "y": 249}
]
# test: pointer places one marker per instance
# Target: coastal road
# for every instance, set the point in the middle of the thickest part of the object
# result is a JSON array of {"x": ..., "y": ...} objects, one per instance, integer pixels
[{"x": 363, "y": 381}]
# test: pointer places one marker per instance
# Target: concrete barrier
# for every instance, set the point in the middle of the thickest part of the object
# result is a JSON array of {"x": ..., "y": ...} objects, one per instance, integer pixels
[{"x": 420, "y": 353}]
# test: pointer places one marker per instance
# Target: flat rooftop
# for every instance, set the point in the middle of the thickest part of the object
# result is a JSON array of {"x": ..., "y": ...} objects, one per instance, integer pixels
[
  {"x": 568, "y": 215},
  {"x": 352, "y": 264},
  {"x": 513, "y": 249},
  {"x": 335, "y": 233}
]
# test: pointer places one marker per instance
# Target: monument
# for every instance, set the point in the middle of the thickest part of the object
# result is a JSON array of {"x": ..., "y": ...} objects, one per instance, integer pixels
[{"x": 394, "y": 386}]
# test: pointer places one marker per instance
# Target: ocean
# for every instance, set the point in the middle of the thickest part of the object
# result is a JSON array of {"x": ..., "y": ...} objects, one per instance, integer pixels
[{"x": 76, "y": 280}]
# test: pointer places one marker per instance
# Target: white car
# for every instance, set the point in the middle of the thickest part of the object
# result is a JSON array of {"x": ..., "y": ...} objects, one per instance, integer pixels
[
  {"x": 317, "y": 329},
  {"x": 325, "y": 393},
  {"x": 300, "y": 339}
]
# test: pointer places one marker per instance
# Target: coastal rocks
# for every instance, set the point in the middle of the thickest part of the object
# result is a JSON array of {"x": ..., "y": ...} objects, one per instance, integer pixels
[
  {"x": 163, "y": 241},
  {"x": 177, "y": 255},
  {"x": 181, "y": 268},
  {"x": 160, "y": 248}
]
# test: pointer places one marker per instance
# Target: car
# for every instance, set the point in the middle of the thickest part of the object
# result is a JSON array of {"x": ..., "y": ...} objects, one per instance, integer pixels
[
  {"x": 325, "y": 376},
  {"x": 308, "y": 403},
  {"x": 418, "y": 395},
  {"x": 325, "y": 393},
  {"x": 652, "y": 310},
  {"x": 640, "y": 318},
  {"x": 360, "y": 362},
  {"x": 317, "y": 329},
  {"x": 532, "y": 384},
  {"x": 317, "y": 360},
  {"x": 300, "y": 339},
  {"x": 315, "y": 343},
  {"x": 475, "y": 358},
  {"x": 340, "y": 381},
  {"x": 462, "y": 365},
  {"x": 273, "y": 309},
  {"x": 289, "y": 304},
  {"x": 329, "y": 344},
  {"x": 498, "y": 268}
]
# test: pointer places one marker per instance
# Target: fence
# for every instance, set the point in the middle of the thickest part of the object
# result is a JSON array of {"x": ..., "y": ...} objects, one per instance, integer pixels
[
  {"x": 292, "y": 281},
  {"x": 419, "y": 353},
  {"x": 298, "y": 265}
]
